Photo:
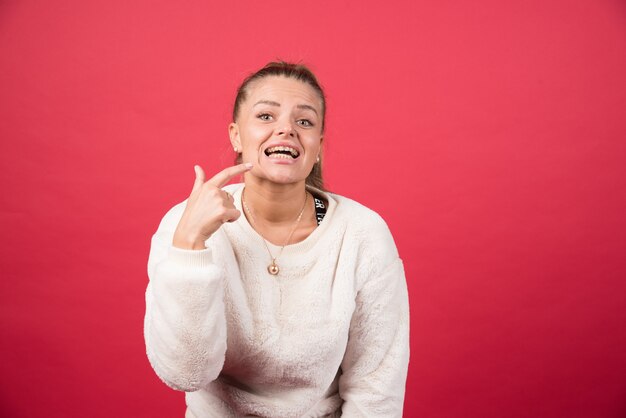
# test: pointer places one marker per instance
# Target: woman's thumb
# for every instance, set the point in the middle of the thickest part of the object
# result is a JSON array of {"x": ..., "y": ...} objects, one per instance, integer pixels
[{"x": 199, "y": 178}]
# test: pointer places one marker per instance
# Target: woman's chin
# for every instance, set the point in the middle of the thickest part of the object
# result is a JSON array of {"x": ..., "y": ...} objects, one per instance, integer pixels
[
  {"x": 277, "y": 173},
  {"x": 280, "y": 177}
]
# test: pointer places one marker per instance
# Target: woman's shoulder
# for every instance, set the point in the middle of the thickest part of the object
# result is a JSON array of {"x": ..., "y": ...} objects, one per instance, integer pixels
[
  {"x": 172, "y": 217},
  {"x": 356, "y": 212},
  {"x": 364, "y": 223}
]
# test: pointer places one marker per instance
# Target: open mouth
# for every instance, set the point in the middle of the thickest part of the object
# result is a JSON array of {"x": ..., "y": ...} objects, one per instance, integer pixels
[{"x": 282, "y": 152}]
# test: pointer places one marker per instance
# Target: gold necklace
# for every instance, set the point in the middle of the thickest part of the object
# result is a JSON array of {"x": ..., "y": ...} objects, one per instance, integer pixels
[{"x": 273, "y": 268}]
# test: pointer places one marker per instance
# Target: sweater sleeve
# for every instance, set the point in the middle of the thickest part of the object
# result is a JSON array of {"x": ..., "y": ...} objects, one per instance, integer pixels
[
  {"x": 184, "y": 325},
  {"x": 374, "y": 367}
]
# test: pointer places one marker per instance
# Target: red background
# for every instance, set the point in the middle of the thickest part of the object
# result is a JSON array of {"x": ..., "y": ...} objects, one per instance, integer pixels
[{"x": 490, "y": 135}]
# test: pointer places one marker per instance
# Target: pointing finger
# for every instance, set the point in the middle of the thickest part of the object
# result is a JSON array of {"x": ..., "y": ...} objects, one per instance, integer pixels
[{"x": 224, "y": 176}]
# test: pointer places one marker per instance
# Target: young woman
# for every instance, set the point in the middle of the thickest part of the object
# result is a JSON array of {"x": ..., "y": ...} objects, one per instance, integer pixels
[{"x": 275, "y": 298}]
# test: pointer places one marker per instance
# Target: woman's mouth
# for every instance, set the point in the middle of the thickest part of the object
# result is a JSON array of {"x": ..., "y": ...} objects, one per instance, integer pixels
[{"x": 282, "y": 152}]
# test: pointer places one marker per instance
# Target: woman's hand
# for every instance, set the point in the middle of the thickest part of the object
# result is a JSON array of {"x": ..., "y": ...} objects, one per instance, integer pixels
[{"x": 208, "y": 208}]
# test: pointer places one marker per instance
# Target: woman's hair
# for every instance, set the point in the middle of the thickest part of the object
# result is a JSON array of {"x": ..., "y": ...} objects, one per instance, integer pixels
[{"x": 297, "y": 72}]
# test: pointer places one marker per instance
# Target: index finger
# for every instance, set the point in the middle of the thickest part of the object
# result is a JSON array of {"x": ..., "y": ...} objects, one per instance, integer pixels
[{"x": 224, "y": 176}]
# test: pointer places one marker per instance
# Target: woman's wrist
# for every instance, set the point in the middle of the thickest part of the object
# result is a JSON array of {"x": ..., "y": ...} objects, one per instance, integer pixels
[{"x": 188, "y": 243}]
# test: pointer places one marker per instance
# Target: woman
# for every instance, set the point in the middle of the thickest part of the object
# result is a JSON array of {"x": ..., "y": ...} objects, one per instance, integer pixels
[{"x": 299, "y": 307}]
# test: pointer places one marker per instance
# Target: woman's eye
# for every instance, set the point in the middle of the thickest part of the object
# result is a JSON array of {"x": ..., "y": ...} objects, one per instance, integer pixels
[
  {"x": 305, "y": 122},
  {"x": 265, "y": 116}
]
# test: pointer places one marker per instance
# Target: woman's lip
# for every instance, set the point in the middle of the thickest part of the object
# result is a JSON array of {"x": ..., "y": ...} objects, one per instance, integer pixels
[
  {"x": 283, "y": 144},
  {"x": 279, "y": 160}
]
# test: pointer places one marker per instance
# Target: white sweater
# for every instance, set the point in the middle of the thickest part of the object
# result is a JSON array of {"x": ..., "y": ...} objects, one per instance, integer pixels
[{"x": 328, "y": 336}]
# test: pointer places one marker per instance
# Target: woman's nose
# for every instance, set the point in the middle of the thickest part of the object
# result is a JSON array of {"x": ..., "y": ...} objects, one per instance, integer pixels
[{"x": 285, "y": 130}]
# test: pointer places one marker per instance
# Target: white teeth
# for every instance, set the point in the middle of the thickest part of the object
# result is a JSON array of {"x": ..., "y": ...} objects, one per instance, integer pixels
[
  {"x": 283, "y": 156},
  {"x": 294, "y": 153}
]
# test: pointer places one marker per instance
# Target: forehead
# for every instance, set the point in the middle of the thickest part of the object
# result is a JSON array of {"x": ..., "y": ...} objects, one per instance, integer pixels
[{"x": 281, "y": 89}]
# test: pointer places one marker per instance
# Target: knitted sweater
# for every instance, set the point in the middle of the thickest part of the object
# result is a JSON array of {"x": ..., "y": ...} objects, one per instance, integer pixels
[{"x": 328, "y": 336}]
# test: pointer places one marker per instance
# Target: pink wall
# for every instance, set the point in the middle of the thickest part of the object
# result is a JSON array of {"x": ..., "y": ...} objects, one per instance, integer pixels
[{"x": 490, "y": 135}]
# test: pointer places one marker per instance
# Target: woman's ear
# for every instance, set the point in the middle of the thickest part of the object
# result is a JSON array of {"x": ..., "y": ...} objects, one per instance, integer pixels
[{"x": 233, "y": 133}]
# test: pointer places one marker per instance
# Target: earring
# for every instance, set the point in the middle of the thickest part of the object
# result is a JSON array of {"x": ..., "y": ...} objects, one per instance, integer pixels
[
  {"x": 236, "y": 150},
  {"x": 318, "y": 159}
]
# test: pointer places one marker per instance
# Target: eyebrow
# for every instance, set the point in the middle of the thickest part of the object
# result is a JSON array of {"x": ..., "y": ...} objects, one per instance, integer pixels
[
  {"x": 267, "y": 102},
  {"x": 273, "y": 103}
]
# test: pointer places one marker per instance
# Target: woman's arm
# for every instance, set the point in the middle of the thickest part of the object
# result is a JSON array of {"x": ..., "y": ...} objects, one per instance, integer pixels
[
  {"x": 185, "y": 325},
  {"x": 375, "y": 365}
]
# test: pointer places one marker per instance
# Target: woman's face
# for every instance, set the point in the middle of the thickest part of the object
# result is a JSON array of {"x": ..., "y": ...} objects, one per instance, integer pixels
[{"x": 279, "y": 129}]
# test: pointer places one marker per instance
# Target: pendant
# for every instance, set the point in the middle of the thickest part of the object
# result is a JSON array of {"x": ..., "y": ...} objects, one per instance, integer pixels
[{"x": 273, "y": 268}]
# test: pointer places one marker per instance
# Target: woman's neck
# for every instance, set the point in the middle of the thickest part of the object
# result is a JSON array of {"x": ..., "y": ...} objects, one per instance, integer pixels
[{"x": 274, "y": 204}]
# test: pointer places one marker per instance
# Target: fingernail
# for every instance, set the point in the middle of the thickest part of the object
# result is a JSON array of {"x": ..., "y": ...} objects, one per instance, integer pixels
[{"x": 248, "y": 165}]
